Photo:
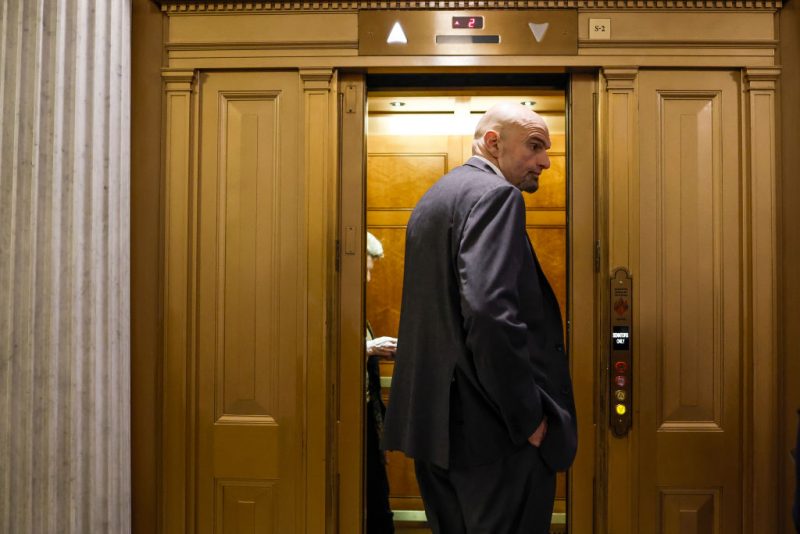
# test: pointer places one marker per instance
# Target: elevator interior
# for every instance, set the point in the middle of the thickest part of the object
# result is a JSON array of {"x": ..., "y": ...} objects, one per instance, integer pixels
[{"x": 417, "y": 130}]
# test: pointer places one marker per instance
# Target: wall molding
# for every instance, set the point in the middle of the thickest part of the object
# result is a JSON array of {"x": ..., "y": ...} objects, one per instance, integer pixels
[
  {"x": 264, "y": 45},
  {"x": 671, "y": 43},
  {"x": 766, "y": 79},
  {"x": 761, "y": 286},
  {"x": 187, "y": 6}
]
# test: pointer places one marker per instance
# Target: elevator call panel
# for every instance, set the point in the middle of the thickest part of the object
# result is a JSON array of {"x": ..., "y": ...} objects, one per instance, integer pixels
[
  {"x": 468, "y": 32},
  {"x": 621, "y": 351}
]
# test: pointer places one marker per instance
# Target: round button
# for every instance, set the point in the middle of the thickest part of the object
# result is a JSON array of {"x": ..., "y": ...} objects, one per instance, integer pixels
[
  {"x": 620, "y": 395},
  {"x": 621, "y": 409},
  {"x": 620, "y": 381},
  {"x": 621, "y": 367}
]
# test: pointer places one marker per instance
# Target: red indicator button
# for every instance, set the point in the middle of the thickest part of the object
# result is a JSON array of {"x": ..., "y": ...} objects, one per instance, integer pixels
[
  {"x": 621, "y": 367},
  {"x": 620, "y": 381}
]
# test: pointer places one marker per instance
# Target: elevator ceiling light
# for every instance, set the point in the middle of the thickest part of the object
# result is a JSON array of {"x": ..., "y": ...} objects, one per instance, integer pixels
[
  {"x": 397, "y": 35},
  {"x": 397, "y": 104},
  {"x": 529, "y": 103}
]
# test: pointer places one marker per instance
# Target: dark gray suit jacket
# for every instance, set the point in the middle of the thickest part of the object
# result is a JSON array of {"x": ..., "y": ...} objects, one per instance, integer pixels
[{"x": 480, "y": 355}]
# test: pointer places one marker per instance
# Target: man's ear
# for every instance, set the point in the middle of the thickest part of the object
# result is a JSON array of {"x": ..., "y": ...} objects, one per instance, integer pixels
[{"x": 490, "y": 139}]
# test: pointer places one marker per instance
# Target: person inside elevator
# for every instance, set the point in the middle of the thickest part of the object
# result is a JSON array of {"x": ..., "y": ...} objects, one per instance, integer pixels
[
  {"x": 379, "y": 515},
  {"x": 481, "y": 393}
]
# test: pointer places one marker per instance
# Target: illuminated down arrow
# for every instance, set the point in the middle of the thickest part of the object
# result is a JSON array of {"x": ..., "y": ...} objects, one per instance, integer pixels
[
  {"x": 397, "y": 35},
  {"x": 538, "y": 30}
]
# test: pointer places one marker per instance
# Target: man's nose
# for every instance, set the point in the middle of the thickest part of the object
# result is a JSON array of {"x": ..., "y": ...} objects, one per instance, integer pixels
[{"x": 544, "y": 161}]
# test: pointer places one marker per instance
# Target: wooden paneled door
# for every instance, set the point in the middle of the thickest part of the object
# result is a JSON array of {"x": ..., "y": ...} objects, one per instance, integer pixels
[
  {"x": 680, "y": 226},
  {"x": 399, "y": 171},
  {"x": 249, "y": 335}
]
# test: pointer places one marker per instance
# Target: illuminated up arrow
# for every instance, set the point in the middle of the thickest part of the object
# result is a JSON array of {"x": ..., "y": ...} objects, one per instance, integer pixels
[
  {"x": 538, "y": 30},
  {"x": 397, "y": 35}
]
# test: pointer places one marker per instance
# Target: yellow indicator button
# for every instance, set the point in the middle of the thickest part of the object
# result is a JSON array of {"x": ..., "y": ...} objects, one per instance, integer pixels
[{"x": 621, "y": 409}]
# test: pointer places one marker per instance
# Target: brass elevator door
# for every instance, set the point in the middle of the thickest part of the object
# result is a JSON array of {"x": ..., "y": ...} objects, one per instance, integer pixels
[
  {"x": 249, "y": 401},
  {"x": 685, "y": 451}
]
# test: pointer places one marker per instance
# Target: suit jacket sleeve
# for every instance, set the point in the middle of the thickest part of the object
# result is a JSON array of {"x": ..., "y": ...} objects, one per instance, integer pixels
[{"x": 490, "y": 263}]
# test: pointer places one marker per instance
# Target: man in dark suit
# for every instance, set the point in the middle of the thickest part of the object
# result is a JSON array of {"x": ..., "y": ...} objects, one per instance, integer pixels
[{"x": 481, "y": 393}]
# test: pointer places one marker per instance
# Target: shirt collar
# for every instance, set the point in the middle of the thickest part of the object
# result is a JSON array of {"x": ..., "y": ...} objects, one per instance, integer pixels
[{"x": 490, "y": 164}]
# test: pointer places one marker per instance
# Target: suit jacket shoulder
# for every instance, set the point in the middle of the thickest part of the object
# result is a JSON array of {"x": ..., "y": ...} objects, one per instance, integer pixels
[{"x": 477, "y": 329}]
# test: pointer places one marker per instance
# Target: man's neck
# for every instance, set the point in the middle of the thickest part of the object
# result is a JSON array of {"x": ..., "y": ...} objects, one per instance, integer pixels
[{"x": 491, "y": 164}]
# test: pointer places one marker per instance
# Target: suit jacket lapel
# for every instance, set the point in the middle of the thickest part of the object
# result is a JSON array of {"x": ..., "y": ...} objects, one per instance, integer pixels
[{"x": 544, "y": 283}]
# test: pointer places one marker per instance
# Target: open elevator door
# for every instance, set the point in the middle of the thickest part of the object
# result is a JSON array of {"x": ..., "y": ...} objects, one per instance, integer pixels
[{"x": 408, "y": 145}]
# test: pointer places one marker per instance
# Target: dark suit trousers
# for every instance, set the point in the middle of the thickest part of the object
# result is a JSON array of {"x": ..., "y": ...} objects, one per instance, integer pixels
[
  {"x": 513, "y": 495},
  {"x": 379, "y": 515}
]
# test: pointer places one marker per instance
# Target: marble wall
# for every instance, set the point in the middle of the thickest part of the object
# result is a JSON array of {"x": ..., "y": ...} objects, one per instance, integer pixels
[{"x": 64, "y": 266}]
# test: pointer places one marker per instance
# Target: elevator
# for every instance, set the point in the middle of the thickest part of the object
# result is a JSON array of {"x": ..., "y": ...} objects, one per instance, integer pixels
[
  {"x": 285, "y": 140},
  {"x": 414, "y": 135}
]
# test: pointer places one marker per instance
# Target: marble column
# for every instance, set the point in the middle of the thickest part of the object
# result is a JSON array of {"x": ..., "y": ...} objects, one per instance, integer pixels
[{"x": 64, "y": 266}]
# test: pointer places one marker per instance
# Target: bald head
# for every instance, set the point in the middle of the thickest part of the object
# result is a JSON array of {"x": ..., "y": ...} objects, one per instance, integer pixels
[
  {"x": 515, "y": 139},
  {"x": 504, "y": 117}
]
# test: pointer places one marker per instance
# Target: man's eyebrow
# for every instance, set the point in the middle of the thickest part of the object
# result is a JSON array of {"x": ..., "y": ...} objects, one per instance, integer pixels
[
  {"x": 538, "y": 137},
  {"x": 541, "y": 139}
]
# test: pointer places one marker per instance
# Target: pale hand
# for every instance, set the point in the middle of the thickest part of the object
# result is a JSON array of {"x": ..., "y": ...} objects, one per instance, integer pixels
[
  {"x": 538, "y": 435},
  {"x": 382, "y": 346}
]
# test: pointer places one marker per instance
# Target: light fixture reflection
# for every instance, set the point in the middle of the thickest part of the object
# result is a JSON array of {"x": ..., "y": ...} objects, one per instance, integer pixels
[{"x": 457, "y": 123}]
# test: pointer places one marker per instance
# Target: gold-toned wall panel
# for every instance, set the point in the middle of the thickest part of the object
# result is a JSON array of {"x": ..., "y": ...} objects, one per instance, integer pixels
[
  {"x": 384, "y": 292},
  {"x": 177, "y": 428},
  {"x": 552, "y": 192},
  {"x": 689, "y": 260},
  {"x": 321, "y": 283},
  {"x": 221, "y": 6},
  {"x": 246, "y": 372},
  {"x": 399, "y": 217},
  {"x": 550, "y": 245},
  {"x": 399, "y": 180},
  {"x": 404, "y": 486},
  {"x": 288, "y": 35},
  {"x": 349, "y": 364},
  {"x": 245, "y": 507},
  {"x": 389, "y": 218},
  {"x": 689, "y": 357},
  {"x": 689, "y": 512},
  {"x": 250, "y": 335},
  {"x": 558, "y": 143},
  {"x": 692, "y": 27},
  {"x": 148, "y": 227},
  {"x": 585, "y": 506},
  {"x": 252, "y": 28},
  {"x": 765, "y": 373}
]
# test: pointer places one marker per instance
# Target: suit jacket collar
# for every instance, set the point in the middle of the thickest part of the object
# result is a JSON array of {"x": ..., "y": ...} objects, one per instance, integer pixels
[{"x": 480, "y": 163}]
